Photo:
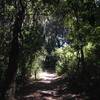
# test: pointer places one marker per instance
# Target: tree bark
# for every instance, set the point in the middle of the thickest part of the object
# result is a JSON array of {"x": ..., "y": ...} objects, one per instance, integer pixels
[{"x": 14, "y": 52}]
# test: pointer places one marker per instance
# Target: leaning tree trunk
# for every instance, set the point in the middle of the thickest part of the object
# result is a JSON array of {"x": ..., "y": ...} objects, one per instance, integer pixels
[
  {"x": 82, "y": 56},
  {"x": 14, "y": 52}
]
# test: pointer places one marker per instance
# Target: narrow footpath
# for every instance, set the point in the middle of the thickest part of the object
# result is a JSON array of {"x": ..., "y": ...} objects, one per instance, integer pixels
[{"x": 49, "y": 87}]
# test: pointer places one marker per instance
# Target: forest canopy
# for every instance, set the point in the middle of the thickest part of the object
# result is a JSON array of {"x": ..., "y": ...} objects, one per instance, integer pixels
[{"x": 49, "y": 35}]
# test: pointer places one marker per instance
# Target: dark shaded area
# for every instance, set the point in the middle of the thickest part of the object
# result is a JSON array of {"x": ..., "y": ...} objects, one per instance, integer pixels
[{"x": 50, "y": 63}]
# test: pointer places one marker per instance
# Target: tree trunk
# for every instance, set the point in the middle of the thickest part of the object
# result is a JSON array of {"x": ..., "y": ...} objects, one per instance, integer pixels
[
  {"x": 82, "y": 57},
  {"x": 14, "y": 52}
]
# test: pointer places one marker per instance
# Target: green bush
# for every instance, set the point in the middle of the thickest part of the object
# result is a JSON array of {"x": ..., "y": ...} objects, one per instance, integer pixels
[{"x": 67, "y": 60}]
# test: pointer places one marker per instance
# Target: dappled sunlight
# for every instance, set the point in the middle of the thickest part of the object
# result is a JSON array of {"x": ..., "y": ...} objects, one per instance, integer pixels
[
  {"x": 44, "y": 95},
  {"x": 47, "y": 77},
  {"x": 49, "y": 87}
]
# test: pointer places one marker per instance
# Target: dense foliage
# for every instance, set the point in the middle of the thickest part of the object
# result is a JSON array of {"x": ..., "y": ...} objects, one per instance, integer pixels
[{"x": 63, "y": 35}]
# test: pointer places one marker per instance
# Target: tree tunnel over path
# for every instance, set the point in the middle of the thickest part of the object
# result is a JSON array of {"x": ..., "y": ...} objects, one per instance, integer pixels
[{"x": 49, "y": 49}]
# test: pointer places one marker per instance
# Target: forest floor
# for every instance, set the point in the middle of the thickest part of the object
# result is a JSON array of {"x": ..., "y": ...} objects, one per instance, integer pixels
[{"x": 49, "y": 87}]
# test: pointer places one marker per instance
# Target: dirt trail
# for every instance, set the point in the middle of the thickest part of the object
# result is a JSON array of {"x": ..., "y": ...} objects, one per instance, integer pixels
[{"x": 48, "y": 88}]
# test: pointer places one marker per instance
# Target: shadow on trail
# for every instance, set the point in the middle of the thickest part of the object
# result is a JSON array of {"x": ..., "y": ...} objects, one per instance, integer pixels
[{"x": 50, "y": 87}]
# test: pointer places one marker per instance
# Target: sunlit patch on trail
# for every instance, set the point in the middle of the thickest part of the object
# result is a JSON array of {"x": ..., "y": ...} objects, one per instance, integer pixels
[
  {"x": 47, "y": 77},
  {"x": 49, "y": 98},
  {"x": 42, "y": 95}
]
